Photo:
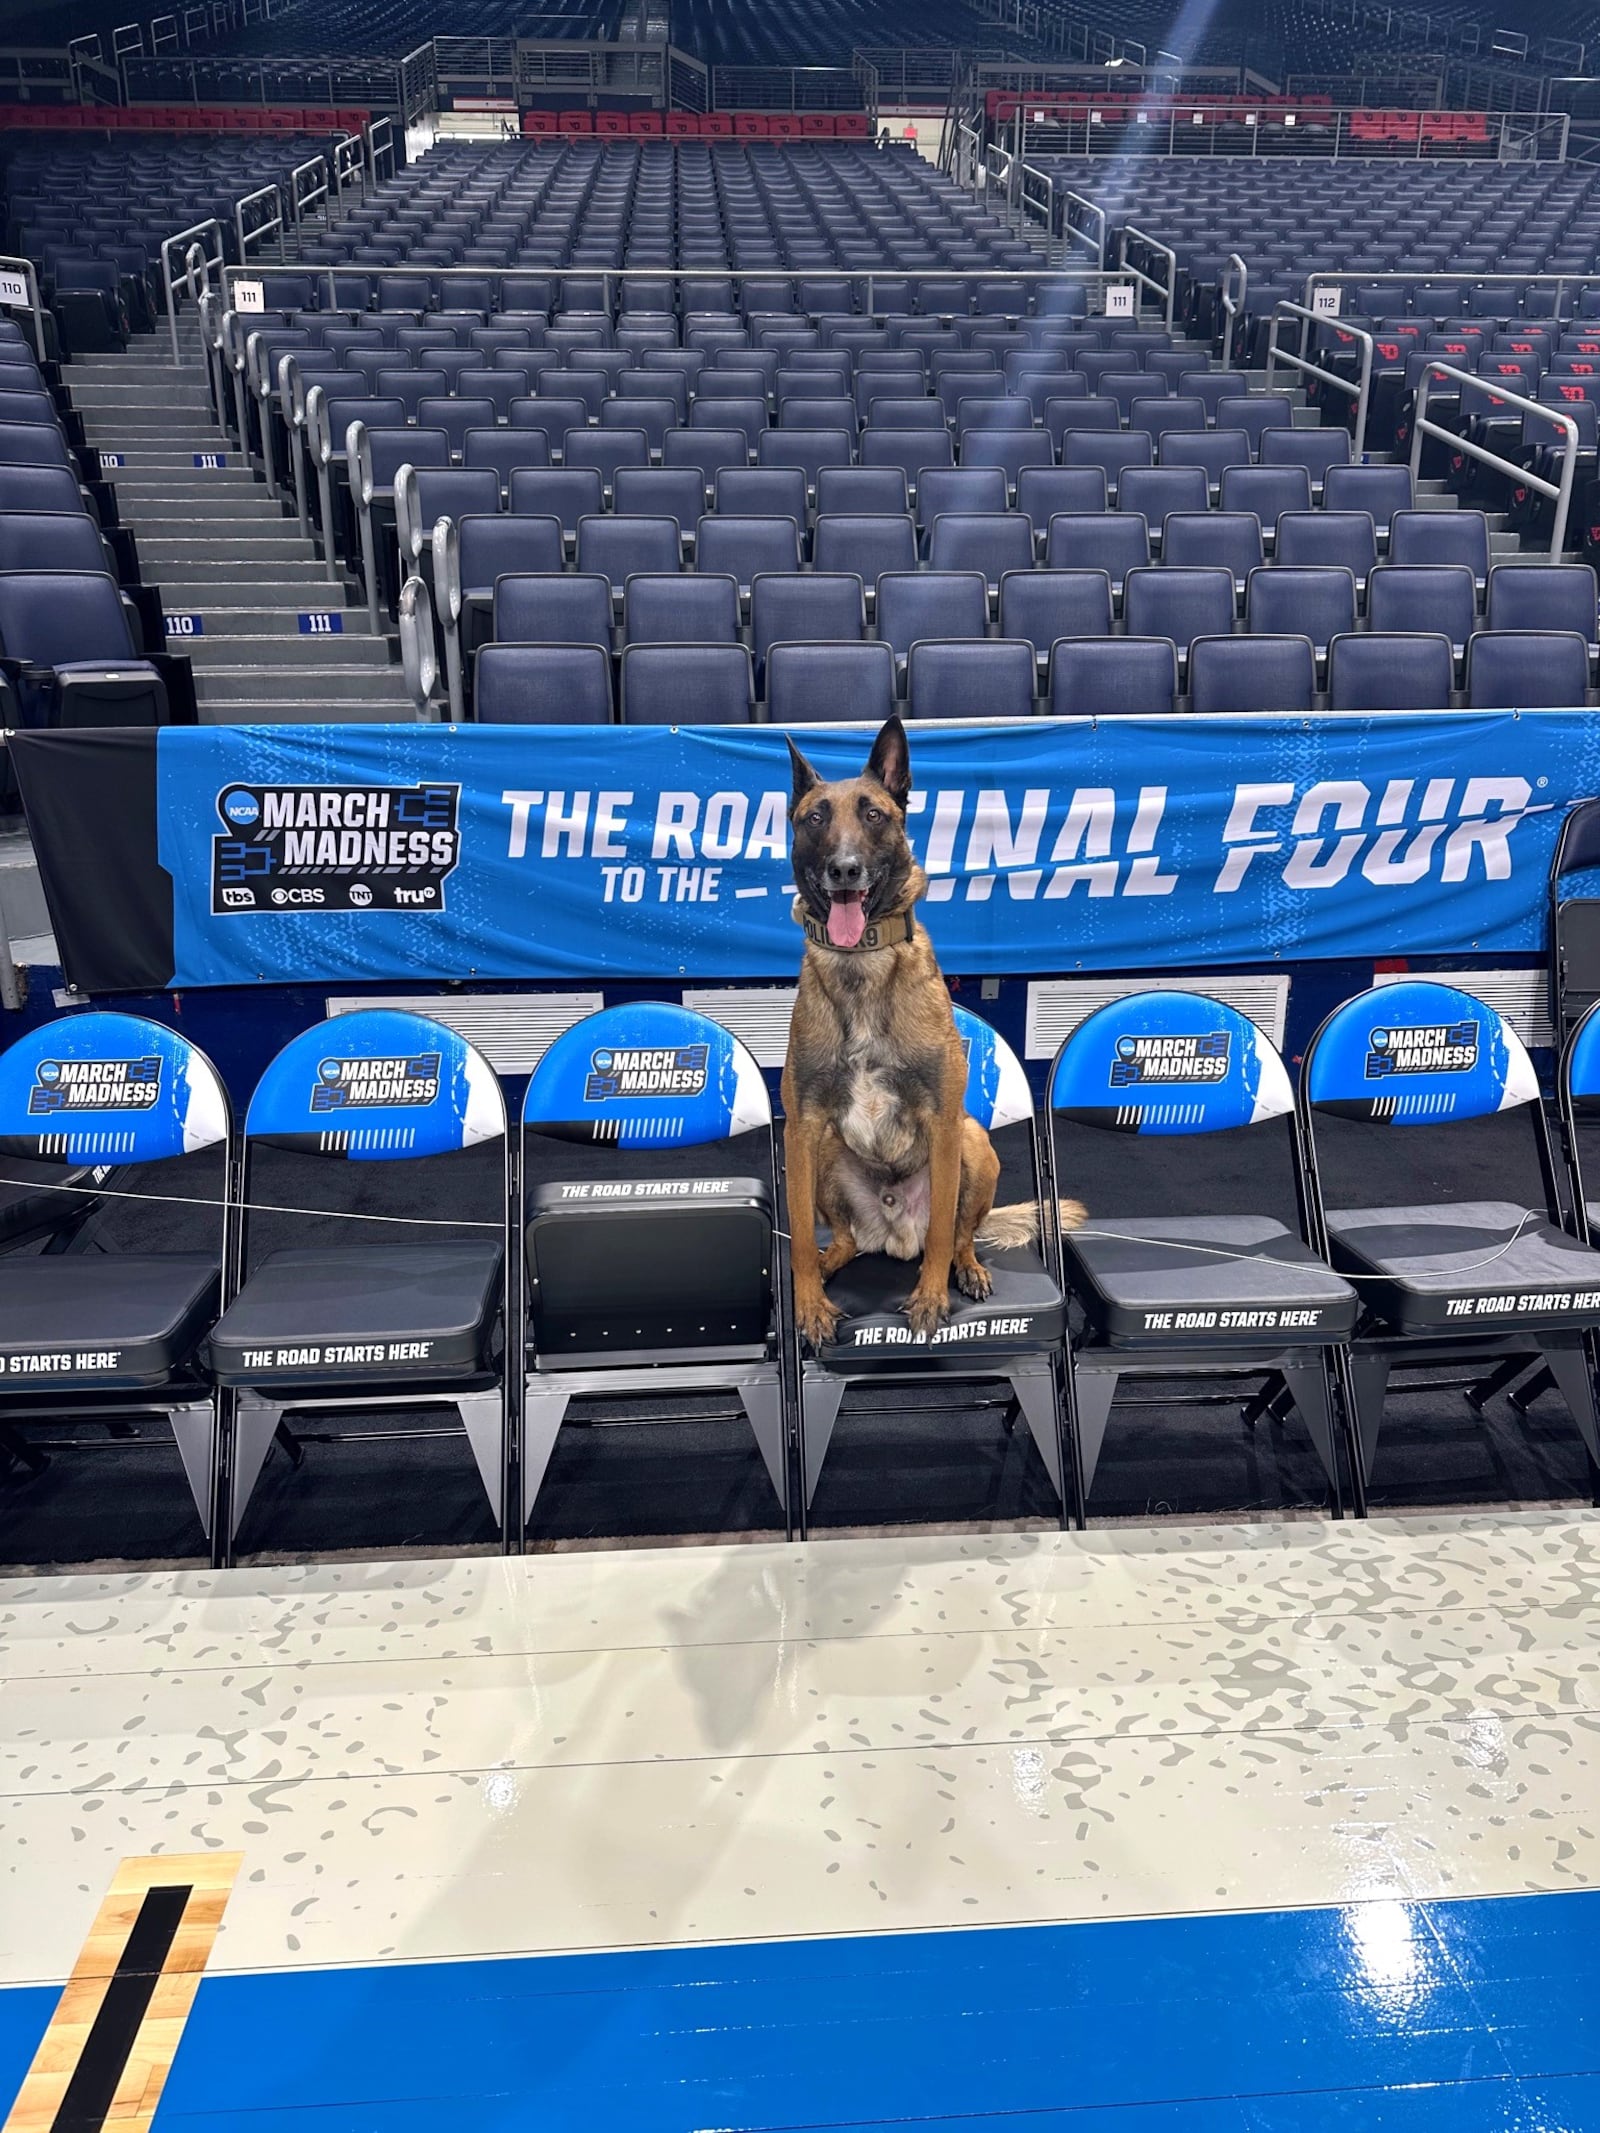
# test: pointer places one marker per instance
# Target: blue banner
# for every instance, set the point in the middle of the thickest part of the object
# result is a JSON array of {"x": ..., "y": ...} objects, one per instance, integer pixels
[{"x": 361, "y": 852}]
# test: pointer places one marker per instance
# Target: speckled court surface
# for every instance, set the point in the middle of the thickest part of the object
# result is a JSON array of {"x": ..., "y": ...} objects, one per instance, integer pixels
[{"x": 1221, "y": 1829}]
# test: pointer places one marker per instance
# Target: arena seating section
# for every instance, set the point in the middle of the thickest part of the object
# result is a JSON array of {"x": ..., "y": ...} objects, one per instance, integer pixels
[
  {"x": 949, "y": 483},
  {"x": 1444, "y": 223}
]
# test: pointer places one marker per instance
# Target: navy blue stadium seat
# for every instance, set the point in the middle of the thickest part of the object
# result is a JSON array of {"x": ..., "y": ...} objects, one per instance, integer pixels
[
  {"x": 1527, "y": 670},
  {"x": 1377, "y": 672},
  {"x": 1108, "y": 677},
  {"x": 969, "y": 679},
  {"x": 687, "y": 684},
  {"x": 542, "y": 685},
  {"x": 1251, "y": 674},
  {"x": 817, "y": 683}
]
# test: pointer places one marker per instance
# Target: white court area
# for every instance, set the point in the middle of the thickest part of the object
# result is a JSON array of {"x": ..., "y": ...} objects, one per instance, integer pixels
[{"x": 613, "y": 1750}]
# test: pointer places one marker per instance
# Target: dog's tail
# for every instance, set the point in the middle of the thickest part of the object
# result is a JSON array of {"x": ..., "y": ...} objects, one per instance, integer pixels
[{"x": 1005, "y": 1227}]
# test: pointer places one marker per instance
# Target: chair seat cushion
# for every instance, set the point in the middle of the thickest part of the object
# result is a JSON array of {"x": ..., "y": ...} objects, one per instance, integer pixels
[
  {"x": 107, "y": 1319},
  {"x": 1177, "y": 1280},
  {"x": 1466, "y": 1266},
  {"x": 356, "y": 1314},
  {"x": 1025, "y": 1310},
  {"x": 643, "y": 1269}
]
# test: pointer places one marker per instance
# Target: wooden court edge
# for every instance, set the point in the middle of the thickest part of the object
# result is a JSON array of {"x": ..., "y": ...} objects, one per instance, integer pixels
[{"x": 208, "y": 1879}]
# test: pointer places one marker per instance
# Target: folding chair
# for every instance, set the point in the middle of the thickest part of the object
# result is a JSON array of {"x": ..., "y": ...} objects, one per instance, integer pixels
[
  {"x": 649, "y": 1285},
  {"x": 1207, "y": 1296},
  {"x": 1574, "y": 922},
  {"x": 106, "y": 1335},
  {"x": 1449, "y": 1282},
  {"x": 388, "y": 1318},
  {"x": 1014, "y": 1334}
]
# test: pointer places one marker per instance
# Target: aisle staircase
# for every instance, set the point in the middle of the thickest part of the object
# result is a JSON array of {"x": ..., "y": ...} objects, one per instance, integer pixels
[{"x": 271, "y": 637}]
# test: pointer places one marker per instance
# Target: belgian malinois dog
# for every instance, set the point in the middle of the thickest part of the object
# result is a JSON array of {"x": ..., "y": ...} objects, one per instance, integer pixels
[{"x": 877, "y": 1140}]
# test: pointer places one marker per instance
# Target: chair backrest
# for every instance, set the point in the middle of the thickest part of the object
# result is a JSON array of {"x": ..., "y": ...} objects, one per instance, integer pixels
[
  {"x": 108, "y": 1088},
  {"x": 1376, "y": 672},
  {"x": 1168, "y": 1063},
  {"x": 1251, "y": 674},
  {"x": 1574, "y": 920},
  {"x": 377, "y": 1085},
  {"x": 1416, "y": 1053},
  {"x": 1129, "y": 677},
  {"x": 646, "y": 1075},
  {"x": 1527, "y": 670},
  {"x": 997, "y": 1094}
]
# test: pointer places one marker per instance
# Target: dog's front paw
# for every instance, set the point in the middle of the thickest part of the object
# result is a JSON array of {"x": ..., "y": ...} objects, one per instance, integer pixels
[
  {"x": 927, "y": 1310},
  {"x": 817, "y": 1319},
  {"x": 974, "y": 1280}
]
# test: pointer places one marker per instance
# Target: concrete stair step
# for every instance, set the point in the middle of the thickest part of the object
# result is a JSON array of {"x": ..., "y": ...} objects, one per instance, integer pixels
[
  {"x": 160, "y": 553},
  {"x": 295, "y": 684},
  {"x": 284, "y": 651},
  {"x": 216, "y": 578},
  {"x": 237, "y": 522},
  {"x": 222, "y": 600},
  {"x": 376, "y": 711},
  {"x": 242, "y": 508}
]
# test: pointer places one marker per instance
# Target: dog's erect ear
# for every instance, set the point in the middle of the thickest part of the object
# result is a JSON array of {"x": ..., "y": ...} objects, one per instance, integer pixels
[
  {"x": 890, "y": 763},
  {"x": 804, "y": 777}
]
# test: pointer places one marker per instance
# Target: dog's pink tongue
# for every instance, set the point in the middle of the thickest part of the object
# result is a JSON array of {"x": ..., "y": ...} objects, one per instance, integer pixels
[{"x": 847, "y": 921}]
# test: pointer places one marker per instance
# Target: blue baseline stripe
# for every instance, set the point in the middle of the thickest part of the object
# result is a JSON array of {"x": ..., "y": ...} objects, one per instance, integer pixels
[{"x": 1473, "y": 2017}]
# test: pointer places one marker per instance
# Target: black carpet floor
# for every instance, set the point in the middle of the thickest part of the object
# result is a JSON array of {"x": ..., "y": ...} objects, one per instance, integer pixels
[{"x": 899, "y": 1457}]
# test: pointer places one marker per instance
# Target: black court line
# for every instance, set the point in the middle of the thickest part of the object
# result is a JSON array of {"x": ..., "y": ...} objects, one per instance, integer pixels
[{"x": 115, "y": 2029}]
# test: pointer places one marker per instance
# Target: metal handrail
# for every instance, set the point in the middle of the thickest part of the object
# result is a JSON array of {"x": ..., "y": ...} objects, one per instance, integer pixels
[
  {"x": 358, "y": 460},
  {"x": 1361, "y": 392},
  {"x": 300, "y": 201},
  {"x": 349, "y": 166},
  {"x": 380, "y": 142},
  {"x": 1560, "y": 491},
  {"x": 446, "y": 545},
  {"x": 1068, "y": 275},
  {"x": 272, "y": 227},
  {"x": 185, "y": 237},
  {"x": 319, "y": 443},
  {"x": 419, "y": 658},
  {"x": 30, "y": 282},
  {"x": 1232, "y": 306},
  {"x": 1168, "y": 294},
  {"x": 1330, "y": 276},
  {"x": 1077, "y": 235}
]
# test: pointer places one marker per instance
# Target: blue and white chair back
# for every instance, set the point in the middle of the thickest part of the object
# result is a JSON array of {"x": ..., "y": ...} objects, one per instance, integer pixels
[
  {"x": 378, "y": 1085},
  {"x": 647, "y": 1075},
  {"x": 1169, "y": 1063},
  {"x": 108, "y": 1088},
  {"x": 1418, "y": 1054}
]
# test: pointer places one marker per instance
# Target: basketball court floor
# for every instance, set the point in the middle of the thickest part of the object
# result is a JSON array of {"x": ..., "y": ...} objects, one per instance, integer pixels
[{"x": 1273, "y": 1828}]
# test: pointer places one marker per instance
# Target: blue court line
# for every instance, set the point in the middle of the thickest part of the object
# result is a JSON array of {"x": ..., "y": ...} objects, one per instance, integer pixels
[{"x": 1463, "y": 2017}]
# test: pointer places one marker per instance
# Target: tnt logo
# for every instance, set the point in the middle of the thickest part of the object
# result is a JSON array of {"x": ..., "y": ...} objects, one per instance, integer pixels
[
  {"x": 94, "y": 1085},
  {"x": 663, "y": 1070},
  {"x": 363, "y": 1084},
  {"x": 1203, "y": 1057},
  {"x": 1429, "y": 1048}
]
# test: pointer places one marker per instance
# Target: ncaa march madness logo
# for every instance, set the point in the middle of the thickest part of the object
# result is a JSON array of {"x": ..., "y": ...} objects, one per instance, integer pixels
[
  {"x": 94, "y": 1085},
  {"x": 334, "y": 847},
  {"x": 655, "y": 1070},
  {"x": 1430, "y": 1048},
  {"x": 1143, "y": 1060},
  {"x": 370, "y": 1084}
]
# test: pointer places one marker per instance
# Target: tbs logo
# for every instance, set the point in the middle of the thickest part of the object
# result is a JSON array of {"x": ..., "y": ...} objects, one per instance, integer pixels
[
  {"x": 239, "y": 899},
  {"x": 242, "y": 809}
]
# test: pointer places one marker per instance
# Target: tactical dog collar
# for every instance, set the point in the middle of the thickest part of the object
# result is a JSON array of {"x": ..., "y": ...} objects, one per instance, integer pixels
[{"x": 887, "y": 933}]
